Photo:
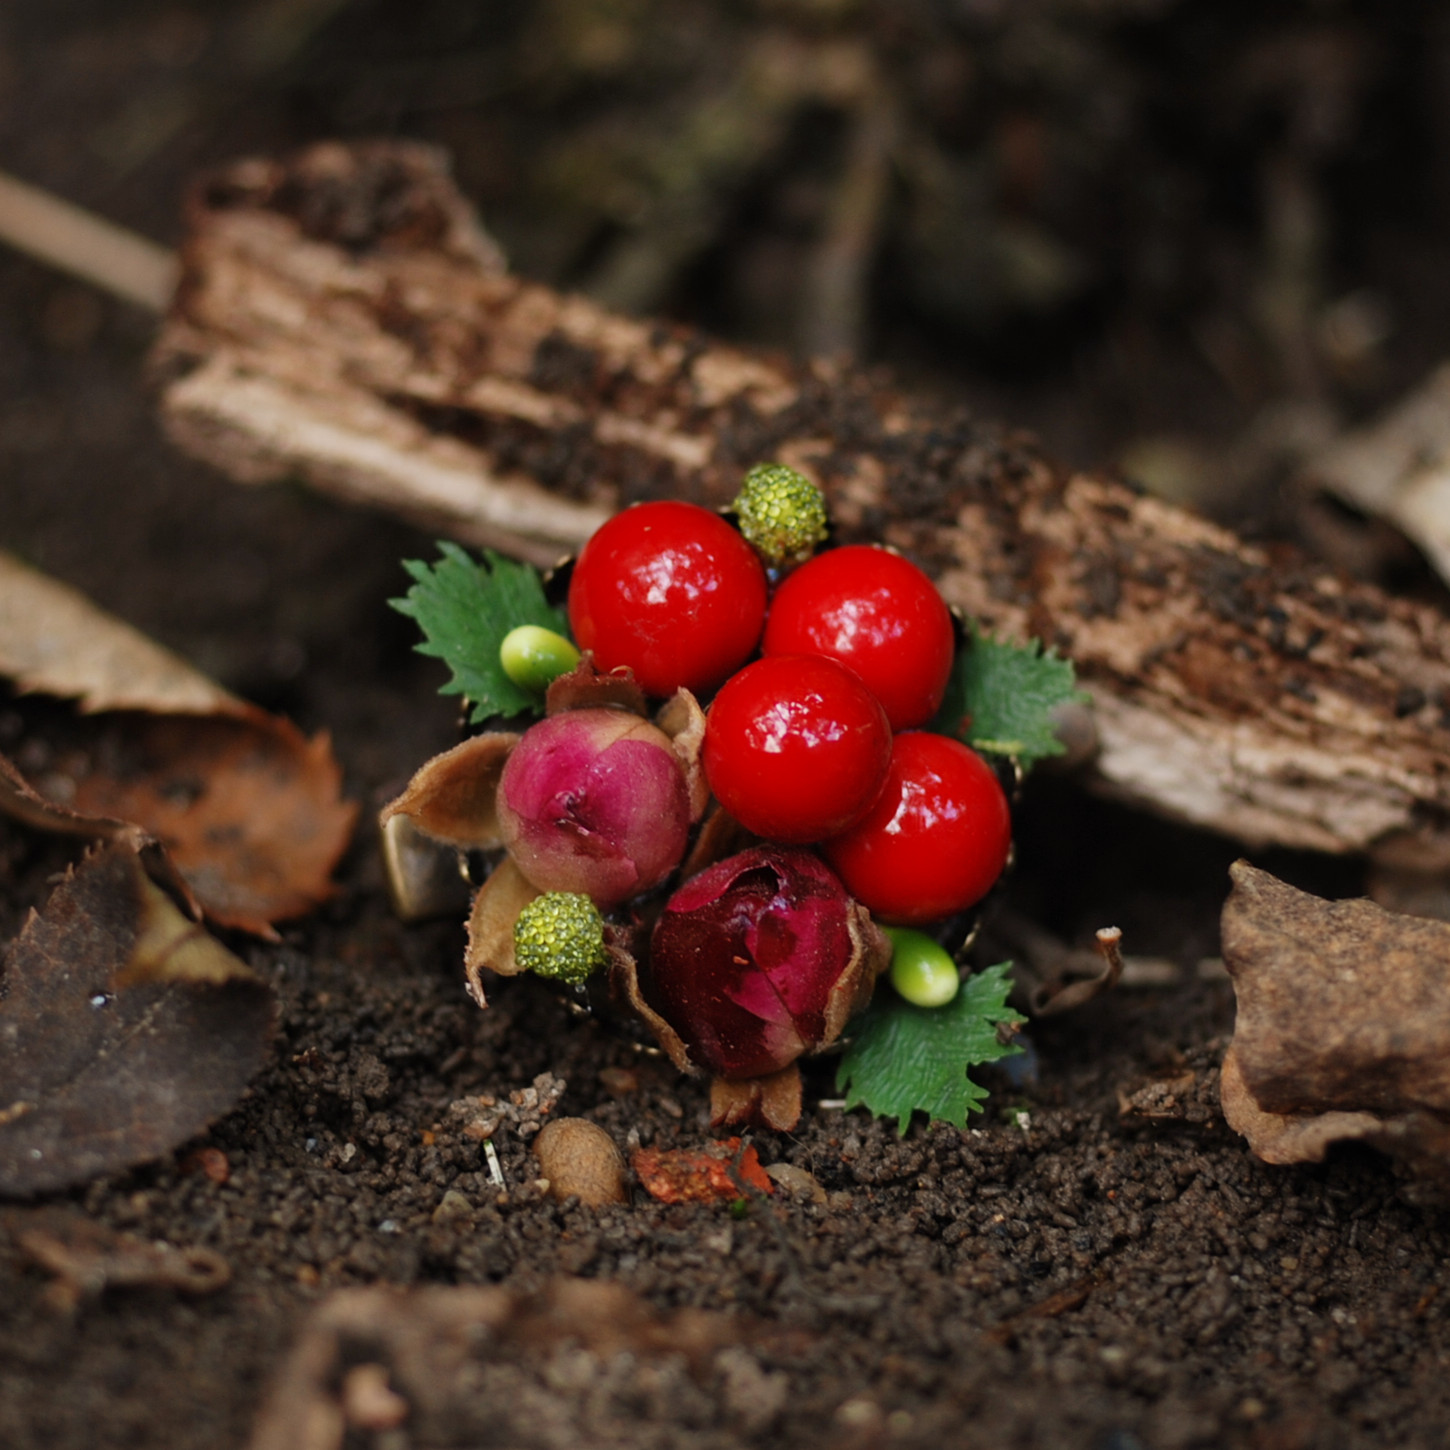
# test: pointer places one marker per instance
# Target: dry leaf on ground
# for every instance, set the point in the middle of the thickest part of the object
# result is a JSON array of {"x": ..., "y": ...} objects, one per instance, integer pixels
[
  {"x": 124, "y": 1029},
  {"x": 248, "y": 809},
  {"x": 468, "y": 1366},
  {"x": 1343, "y": 1027},
  {"x": 88, "y": 1258}
]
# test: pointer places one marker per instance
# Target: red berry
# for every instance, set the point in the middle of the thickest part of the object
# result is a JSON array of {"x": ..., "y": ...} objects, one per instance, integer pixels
[
  {"x": 796, "y": 747},
  {"x": 879, "y": 614},
  {"x": 673, "y": 592},
  {"x": 936, "y": 839}
]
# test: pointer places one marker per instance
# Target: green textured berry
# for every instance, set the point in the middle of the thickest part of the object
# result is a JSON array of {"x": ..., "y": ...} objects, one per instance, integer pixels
[
  {"x": 560, "y": 935},
  {"x": 534, "y": 657},
  {"x": 781, "y": 512},
  {"x": 921, "y": 971}
]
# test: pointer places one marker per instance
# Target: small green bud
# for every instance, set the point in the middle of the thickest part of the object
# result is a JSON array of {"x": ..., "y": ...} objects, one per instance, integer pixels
[
  {"x": 781, "y": 512},
  {"x": 560, "y": 935},
  {"x": 533, "y": 657},
  {"x": 921, "y": 971}
]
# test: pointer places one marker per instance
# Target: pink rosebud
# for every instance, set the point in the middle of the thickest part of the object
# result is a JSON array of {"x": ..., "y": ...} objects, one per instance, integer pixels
[
  {"x": 594, "y": 801},
  {"x": 760, "y": 958}
]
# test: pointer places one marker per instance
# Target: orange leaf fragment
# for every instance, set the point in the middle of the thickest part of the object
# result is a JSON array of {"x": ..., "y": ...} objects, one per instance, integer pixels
[
  {"x": 718, "y": 1172},
  {"x": 248, "y": 810}
]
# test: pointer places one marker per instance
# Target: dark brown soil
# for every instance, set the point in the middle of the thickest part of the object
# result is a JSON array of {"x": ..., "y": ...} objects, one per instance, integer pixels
[{"x": 1059, "y": 1275}]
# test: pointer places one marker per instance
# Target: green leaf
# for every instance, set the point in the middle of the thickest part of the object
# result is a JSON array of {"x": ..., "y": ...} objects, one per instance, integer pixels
[
  {"x": 465, "y": 608},
  {"x": 1001, "y": 696},
  {"x": 904, "y": 1059}
]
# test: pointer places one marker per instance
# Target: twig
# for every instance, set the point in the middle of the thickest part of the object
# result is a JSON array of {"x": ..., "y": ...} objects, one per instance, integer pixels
[
  {"x": 1072, "y": 1297},
  {"x": 76, "y": 241}
]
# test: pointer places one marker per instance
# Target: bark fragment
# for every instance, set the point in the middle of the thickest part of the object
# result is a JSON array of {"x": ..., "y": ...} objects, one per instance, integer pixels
[{"x": 1237, "y": 687}]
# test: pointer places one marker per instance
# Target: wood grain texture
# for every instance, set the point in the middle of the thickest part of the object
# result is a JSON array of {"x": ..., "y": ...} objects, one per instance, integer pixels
[{"x": 341, "y": 318}]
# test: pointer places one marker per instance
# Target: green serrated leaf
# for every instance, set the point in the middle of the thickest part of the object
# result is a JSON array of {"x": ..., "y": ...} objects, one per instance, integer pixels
[
  {"x": 904, "y": 1059},
  {"x": 465, "y": 607},
  {"x": 1001, "y": 696}
]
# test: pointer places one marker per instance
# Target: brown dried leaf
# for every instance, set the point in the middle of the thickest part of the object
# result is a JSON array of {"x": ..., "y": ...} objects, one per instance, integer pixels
[
  {"x": 247, "y": 808},
  {"x": 851, "y": 991},
  {"x": 463, "y": 1355},
  {"x": 1343, "y": 1026},
  {"x": 124, "y": 1029},
  {"x": 88, "y": 1258},
  {"x": 54, "y": 641},
  {"x": 19, "y": 799},
  {"x": 450, "y": 805}
]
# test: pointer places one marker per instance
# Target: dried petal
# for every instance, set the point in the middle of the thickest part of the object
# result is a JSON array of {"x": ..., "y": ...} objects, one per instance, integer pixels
[
  {"x": 491, "y": 925},
  {"x": 451, "y": 797}
]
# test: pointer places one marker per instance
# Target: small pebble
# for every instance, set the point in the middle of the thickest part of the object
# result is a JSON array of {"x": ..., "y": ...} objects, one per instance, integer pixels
[
  {"x": 858, "y": 1413},
  {"x": 580, "y": 1160},
  {"x": 619, "y": 1082},
  {"x": 452, "y": 1207},
  {"x": 369, "y": 1402},
  {"x": 796, "y": 1181}
]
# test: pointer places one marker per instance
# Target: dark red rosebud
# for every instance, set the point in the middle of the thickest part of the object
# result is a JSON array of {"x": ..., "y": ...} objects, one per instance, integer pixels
[{"x": 760, "y": 958}]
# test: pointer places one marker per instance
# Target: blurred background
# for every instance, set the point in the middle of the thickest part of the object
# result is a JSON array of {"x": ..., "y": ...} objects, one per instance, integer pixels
[{"x": 1191, "y": 240}]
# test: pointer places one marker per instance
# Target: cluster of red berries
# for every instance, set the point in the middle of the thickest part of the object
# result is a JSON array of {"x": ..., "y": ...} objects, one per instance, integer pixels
[{"x": 819, "y": 740}]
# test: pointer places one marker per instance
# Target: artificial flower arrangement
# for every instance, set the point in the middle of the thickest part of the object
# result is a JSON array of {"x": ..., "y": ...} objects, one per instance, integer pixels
[{"x": 754, "y": 799}]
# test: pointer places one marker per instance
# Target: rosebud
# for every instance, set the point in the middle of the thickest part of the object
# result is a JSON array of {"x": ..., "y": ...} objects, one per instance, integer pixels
[
  {"x": 760, "y": 958},
  {"x": 594, "y": 801}
]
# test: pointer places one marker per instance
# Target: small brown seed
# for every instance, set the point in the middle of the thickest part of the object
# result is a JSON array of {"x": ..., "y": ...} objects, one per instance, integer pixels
[
  {"x": 580, "y": 1160},
  {"x": 796, "y": 1181}
]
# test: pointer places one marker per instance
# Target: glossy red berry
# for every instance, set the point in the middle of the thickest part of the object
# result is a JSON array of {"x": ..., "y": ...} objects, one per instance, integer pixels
[
  {"x": 936, "y": 839},
  {"x": 796, "y": 747},
  {"x": 673, "y": 592},
  {"x": 875, "y": 612}
]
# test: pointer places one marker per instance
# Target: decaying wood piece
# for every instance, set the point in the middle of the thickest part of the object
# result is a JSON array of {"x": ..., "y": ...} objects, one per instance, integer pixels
[
  {"x": 1343, "y": 1027},
  {"x": 341, "y": 319}
]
